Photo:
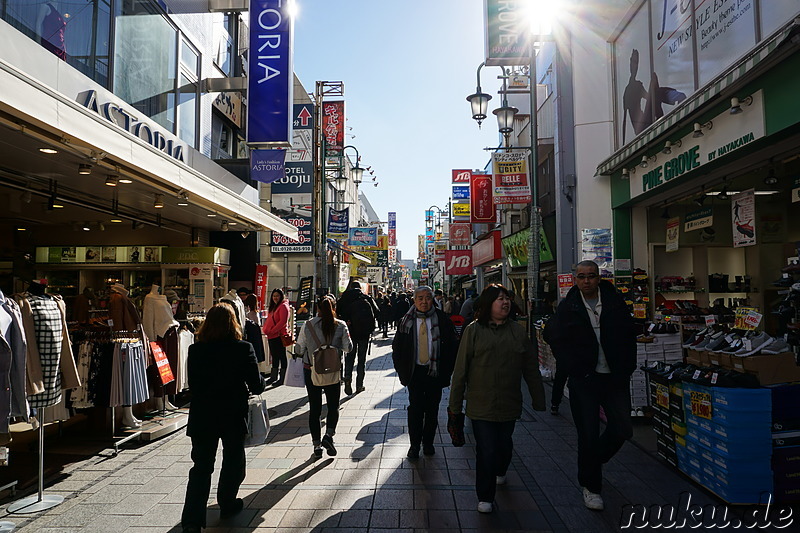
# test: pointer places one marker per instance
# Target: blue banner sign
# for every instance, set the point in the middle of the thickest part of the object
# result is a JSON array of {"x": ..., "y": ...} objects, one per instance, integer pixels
[
  {"x": 298, "y": 178},
  {"x": 460, "y": 192},
  {"x": 266, "y": 166},
  {"x": 338, "y": 221},
  {"x": 270, "y": 77},
  {"x": 363, "y": 237}
]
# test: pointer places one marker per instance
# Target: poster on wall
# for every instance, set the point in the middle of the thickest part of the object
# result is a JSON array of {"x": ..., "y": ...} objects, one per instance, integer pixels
[
  {"x": 673, "y": 230},
  {"x": 672, "y": 78},
  {"x": 565, "y": 283},
  {"x": 743, "y": 215},
  {"x": 510, "y": 175},
  {"x": 725, "y": 31},
  {"x": 633, "y": 68},
  {"x": 597, "y": 246}
]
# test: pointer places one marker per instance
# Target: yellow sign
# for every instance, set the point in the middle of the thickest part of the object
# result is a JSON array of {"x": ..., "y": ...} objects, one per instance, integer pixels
[
  {"x": 662, "y": 395},
  {"x": 701, "y": 404},
  {"x": 460, "y": 210}
]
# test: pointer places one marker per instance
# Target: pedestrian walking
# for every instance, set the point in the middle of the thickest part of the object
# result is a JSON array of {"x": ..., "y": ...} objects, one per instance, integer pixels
[
  {"x": 424, "y": 352},
  {"x": 322, "y": 331},
  {"x": 401, "y": 307},
  {"x": 359, "y": 311},
  {"x": 593, "y": 339},
  {"x": 222, "y": 371},
  {"x": 494, "y": 357},
  {"x": 276, "y": 327},
  {"x": 468, "y": 308},
  {"x": 385, "y": 306}
]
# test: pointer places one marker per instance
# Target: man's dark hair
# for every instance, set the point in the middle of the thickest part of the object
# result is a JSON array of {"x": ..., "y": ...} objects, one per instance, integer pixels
[
  {"x": 483, "y": 307},
  {"x": 592, "y": 264}
]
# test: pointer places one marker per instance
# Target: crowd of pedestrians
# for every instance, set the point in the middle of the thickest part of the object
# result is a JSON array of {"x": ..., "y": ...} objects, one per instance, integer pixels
[{"x": 485, "y": 362}]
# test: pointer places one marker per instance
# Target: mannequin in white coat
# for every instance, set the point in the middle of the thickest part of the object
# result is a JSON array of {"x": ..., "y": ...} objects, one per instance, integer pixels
[{"x": 156, "y": 320}]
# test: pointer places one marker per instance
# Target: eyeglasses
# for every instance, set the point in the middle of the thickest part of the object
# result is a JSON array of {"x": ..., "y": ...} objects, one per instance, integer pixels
[{"x": 587, "y": 276}]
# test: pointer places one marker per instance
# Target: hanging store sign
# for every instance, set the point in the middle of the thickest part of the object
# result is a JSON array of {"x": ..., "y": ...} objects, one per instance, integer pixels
[
  {"x": 724, "y": 135},
  {"x": 298, "y": 178},
  {"x": 516, "y": 248},
  {"x": 458, "y": 262},
  {"x": 480, "y": 199},
  {"x": 230, "y": 105},
  {"x": 702, "y": 218},
  {"x": 673, "y": 229},
  {"x": 460, "y": 192},
  {"x": 266, "y": 166},
  {"x": 488, "y": 249},
  {"x": 461, "y": 211},
  {"x": 302, "y": 150},
  {"x": 459, "y": 234},
  {"x": 333, "y": 128},
  {"x": 363, "y": 237},
  {"x": 338, "y": 221},
  {"x": 506, "y": 27},
  {"x": 510, "y": 175},
  {"x": 461, "y": 177},
  {"x": 375, "y": 275},
  {"x": 271, "y": 75},
  {"x": 743, "y": 214},
  {"x": 262, "y": 278},
  {"x": 282, "y": 244},
  {"x": 392, "y": 228},
  {"x": 439, "y": 248}
]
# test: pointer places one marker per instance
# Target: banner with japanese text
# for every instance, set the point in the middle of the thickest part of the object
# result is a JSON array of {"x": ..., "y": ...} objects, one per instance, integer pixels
[
  {"x": 480, "y": 199},
  {"x": 338, "y": 221},
  {"x": 392, "y": 228},
  {"x": 267, "y": 166},
  {"x": 333, "y": 127},
  {"x": 363, "y": 237},
  {"x": 510, "y": 173}
]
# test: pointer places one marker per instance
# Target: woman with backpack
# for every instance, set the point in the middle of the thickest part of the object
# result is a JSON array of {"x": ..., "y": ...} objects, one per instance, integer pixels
[{"x": 321, "y": 342}]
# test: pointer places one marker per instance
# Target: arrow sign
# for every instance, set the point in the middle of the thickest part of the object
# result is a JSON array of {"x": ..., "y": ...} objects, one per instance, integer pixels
[{"x": 304, "y": 116}]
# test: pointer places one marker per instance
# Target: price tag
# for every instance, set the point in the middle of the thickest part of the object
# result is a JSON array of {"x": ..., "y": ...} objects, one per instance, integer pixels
[
  {"x": 714, "y": 378},
  {"x": 710, "y": 320},
  {"x": 696, "y": 374},
  {"x": 753, "y": 319},
  {"x": 747, "y": 344},
  {"x": 651, "y": 328},
  {"x": 728, "y": 338}
]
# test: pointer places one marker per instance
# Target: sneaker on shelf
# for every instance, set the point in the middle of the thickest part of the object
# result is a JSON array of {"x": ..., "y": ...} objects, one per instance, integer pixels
[
  {"x": 645, "y": 338},
  {"x": 784, "y": 281},
  {"x": 484, "y": 507},
  {"x": 716, "y": 344},
  {"x": 775, "y": 347},
  {"x": 734, "y": 345},
  {"x": 592, "y": 501},
  {"x": 756, "y": 343}
]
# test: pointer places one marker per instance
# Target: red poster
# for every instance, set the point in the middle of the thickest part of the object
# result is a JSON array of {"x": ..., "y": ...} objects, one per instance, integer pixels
[
  {"x": 333, "y": 127},
  {"x": 481, "y": 203},
  {"x": 392, "y": 237},
  {"x": 458, "y": 262},
  {"x": 261, "y": 286},
  {"x": 164, "y": 371},
  {"x": 462, "y": 177},
  {"x": 565, "y": 283},
  {"x": 459, "y": 234}
]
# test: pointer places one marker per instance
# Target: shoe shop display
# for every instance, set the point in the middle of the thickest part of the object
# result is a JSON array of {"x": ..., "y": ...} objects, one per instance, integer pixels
[
  {"x": 756, "y": 343},
  {"x": 775, "y": 347}
]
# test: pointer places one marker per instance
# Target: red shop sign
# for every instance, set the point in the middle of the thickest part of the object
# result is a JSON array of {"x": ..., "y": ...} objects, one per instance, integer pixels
[
  {"x": 482, "y": 209},
  {"x": 488, "y": 249}
]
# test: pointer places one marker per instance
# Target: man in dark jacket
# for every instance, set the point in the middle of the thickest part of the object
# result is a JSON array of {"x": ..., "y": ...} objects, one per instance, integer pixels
[
  {"x": 359, "y": 310},
  {"x": 593, "y": 338},
  {"x": 424, "y": 354}
]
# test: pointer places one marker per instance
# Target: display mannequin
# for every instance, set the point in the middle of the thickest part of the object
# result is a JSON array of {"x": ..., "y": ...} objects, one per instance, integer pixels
[
  {"x": 128, "y": 358},
  {"x": 238, "y": 306},
  {"x": 156, "y": 314},
  {"x": 128, "y": 420},
  {"x": 52, "y": 25}
]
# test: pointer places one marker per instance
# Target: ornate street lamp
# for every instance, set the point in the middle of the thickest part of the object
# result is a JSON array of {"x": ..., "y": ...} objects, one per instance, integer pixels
[
  {"x": 479, "y": 102},
  {"x": 355, "y": 171}
]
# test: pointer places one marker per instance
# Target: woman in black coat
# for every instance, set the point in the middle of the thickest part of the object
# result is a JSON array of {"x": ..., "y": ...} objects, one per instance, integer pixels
[{"x": 222, "y": 371}]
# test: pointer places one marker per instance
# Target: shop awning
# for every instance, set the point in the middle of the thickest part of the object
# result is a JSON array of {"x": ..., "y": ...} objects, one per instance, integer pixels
[
  {"x": 334, "y": 245},
  {"x": 690, "y": 106}
]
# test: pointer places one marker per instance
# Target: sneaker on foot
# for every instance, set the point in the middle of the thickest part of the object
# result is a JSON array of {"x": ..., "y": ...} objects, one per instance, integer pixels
[
  {"x": 348, "y": 387},
  {"x": 501, "y": 480},
  {"x": 484, "y": 507},
  {"x": 317, "y": 452},
  {"x": 360, "y": 389},
  {"x": 592, "y": 501},
  {"x": 327, "y": 443}
]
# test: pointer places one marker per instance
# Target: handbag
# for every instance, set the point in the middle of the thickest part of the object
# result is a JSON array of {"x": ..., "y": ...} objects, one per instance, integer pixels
[
  {"x": 326, "y": 364},
  {"x": 287, "y": 340},
  {"x": 294, "y": 373},
  {"x": 257, "y": 421}
]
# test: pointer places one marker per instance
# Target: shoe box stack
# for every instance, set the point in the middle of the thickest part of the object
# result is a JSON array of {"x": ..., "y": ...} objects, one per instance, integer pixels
[
  {"x": 786, "y": 442},
  {"x": 661, "y": 344},
  {"x": 727, "y": 447},
  {"x": 666, "y": 399}
]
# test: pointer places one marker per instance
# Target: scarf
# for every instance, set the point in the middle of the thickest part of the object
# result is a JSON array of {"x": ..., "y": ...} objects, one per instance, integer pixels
[{"x": 408, "y": 326}]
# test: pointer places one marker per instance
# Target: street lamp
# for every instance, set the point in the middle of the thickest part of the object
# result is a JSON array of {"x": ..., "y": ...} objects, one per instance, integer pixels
[
  {"x": 479, "y": 102},
  {"x": 356, "y": 171}
]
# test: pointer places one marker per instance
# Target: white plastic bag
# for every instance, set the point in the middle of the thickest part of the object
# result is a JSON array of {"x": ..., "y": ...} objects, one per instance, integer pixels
[
  {"x": 294, "y": 373},
  {"x": 257, "y": 421}
]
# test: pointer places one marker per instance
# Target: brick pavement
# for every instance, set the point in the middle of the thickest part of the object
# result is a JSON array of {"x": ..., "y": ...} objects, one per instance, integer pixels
[{"x": 369, "y": 486}]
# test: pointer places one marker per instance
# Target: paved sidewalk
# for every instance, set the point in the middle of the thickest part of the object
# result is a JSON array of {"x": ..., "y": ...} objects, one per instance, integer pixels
[{"x": 369, "y": 485}]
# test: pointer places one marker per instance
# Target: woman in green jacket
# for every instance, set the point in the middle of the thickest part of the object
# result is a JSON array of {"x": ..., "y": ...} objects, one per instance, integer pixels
[{"x": 494, "y": 356}]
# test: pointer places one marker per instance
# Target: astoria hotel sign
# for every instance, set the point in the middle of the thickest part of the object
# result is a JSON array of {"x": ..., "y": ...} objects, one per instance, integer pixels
[{"x": 153, "y": 135}]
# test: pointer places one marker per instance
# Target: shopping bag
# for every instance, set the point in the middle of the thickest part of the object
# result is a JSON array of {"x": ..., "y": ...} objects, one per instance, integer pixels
[
  {"x": 294, "y": 373},
  {"x": 257, "y": 421}
]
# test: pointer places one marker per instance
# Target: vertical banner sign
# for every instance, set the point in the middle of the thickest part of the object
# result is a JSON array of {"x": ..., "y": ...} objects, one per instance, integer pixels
[
  {"x": 338, "y": 221},
  {"x": 673, "y": 229},
  {"x": 461, "y": 177},
  {"x": 480, "y": 199},
  {"x": 261, "y": 286},
  {"x": 510, "y": 172},
  {"x": 271, "y": 76},
  {"x": 266, "y": 166},
  {"x": 333, "y": 127},
  {"x": 506, "y": 27},
  {"x": 459, "y": 234},
  {"x": 304, "y": 298},
  {"x": 392, "y": 228},
  {"x": 743, "y": 211}
]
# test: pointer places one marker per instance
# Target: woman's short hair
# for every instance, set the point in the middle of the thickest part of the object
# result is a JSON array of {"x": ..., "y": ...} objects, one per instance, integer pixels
[
  {"x": 220, "y": 325},
  {"x": 483, "y": 306}
]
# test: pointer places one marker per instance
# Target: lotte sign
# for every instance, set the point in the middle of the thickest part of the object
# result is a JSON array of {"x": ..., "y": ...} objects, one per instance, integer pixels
[{"x": 457, "y": 262}]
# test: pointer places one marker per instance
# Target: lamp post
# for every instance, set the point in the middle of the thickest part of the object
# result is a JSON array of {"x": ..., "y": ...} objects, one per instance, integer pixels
[{"x": 440, "y": 213}]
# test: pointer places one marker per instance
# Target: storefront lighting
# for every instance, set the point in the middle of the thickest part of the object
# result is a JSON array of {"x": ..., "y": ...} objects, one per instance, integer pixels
[
  {"x": 723, "y": 194},
  {"x": 665, "y": 214},
  {"x": 771, "y": 178},
  {"x": 116, "y": 220},
  {"x": 20, "y": 228},
  {"x": 112, "y": 180},
  {"x": 158, "y": 202},
  {"x": 647, "y": 160},
  {"x": 183, "y": 199},
  {"x": 125, "y": 180},
  {"x": 211, "y": 215},
  {"x": 698, "y": 128},
  {"x": 84, "y": 169},
  {"x": 54, "y": 203},
  {"x": 101, "y": 226},
  {"x": 48, "y": 150},
  {"x": 85, "y": 227},
  {"x": 700, "y": 200},
  {"x": 224, "y": 225},
  {"x": 668, "y": 146},
  {"x": 736, "y": 104},
  {"x": 625, "y": 174},
  {"x": 245, "y": 234},
  {"x": 26, "y": 197},
  {"x": 233, "y": 223}
]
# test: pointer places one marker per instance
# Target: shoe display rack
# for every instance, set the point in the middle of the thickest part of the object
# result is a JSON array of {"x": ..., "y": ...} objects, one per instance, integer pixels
[{"x": 660, "y": 343}]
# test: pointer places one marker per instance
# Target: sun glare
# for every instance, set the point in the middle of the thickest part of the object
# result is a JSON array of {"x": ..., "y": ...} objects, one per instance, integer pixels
[
  {"x": 540, "y": 15},
  {"x": 293, "y": 8}
]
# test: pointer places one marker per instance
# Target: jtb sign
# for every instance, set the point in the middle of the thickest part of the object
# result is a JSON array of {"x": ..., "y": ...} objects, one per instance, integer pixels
[
  {"x": 458, "y": 262},
  {"x": 271, "y": 78}
]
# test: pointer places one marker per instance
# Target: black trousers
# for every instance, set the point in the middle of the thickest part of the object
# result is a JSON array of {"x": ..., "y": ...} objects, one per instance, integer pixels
[
  {"x": 360, "y": 347},
  {"x": 204, "y": 451},
  {"x": 424, "y": 396},
  {"x": 586, "y": 396},
  {"x": 559, "y": 381},
  {"x": 278, "y": 352},
  {"x": 332, "y": 394},
  {"x": 493, "y": 448}
]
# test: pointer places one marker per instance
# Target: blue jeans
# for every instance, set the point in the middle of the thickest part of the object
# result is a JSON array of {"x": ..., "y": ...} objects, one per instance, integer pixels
[
  {"x": 360, "y": 349},
  {"x": 493, "y": 448},
  {"x": 586, "y": 396}
]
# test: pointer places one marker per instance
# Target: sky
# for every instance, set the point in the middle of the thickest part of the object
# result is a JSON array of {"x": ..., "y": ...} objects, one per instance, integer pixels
[{"x": 407, "y": 69}]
